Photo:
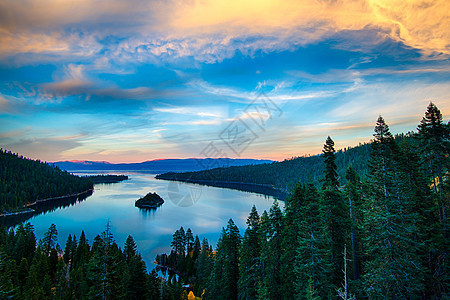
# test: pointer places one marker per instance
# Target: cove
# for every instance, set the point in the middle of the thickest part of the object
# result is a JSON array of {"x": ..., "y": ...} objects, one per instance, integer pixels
[{"x": 204, "y": 209}]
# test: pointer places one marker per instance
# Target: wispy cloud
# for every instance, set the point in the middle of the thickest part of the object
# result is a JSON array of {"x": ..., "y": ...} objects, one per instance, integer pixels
[
  {"x": 211, "y": 31},
  {"x": 128, "y": 79}
]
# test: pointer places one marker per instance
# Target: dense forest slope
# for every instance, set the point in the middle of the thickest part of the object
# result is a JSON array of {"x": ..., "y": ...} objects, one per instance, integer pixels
[
  {"x": 382, "y": 237},
  {"x": 282, "y": 175},
  {"x": 24, "y": 181}
]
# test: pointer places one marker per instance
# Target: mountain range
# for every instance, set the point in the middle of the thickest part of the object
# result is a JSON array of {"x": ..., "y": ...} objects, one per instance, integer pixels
[{"x": 159, "y": 166}]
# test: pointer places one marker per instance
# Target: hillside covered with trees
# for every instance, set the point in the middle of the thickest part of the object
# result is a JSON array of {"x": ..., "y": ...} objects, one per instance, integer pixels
[
  {"x": 384, "y": 237},
  {"x": 24, "y": 181},
  {"x": 282, "y": 175}
]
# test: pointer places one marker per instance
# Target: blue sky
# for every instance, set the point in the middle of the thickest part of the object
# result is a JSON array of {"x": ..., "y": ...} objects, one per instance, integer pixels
[{"x": 129, "y": 81}]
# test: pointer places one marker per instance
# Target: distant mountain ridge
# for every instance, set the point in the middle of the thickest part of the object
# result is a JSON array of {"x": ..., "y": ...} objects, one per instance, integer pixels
[{"x": 160, "y": 165}]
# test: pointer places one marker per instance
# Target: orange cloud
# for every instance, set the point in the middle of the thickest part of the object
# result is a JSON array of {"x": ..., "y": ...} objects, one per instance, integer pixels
[
  {"x": 420, "y": 24},
  {"x": 205, "y": 28}
]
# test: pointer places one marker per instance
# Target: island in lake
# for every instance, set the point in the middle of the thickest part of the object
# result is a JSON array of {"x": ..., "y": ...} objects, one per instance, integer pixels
[{"x": 151, "y": 200}]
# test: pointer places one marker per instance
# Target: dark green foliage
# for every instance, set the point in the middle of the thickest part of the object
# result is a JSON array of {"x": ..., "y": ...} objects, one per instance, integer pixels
[
  {"x": 225, "y": 272},
  {"x": 44, "y": 272},
  {"x": 312, "y": 265},
  {"x": 204, "y": 265},
  {"x": 24, "y": 181},
  {"x": 331, "y": 176},
  {"x": 106, "y": 178},
  {"x": 149, "y": 201},
  {"x": 334, "y": 215},
  {"x": 282, "y": 175},
  {"x": 394, "y": 218},
  {"x": 271, "y": 233},
  {"x": 179, "y": 241},
  {"x": 353, "y": 195},
  {"x": 250, "y": 258},
  {"x": 393, "y": 267}
]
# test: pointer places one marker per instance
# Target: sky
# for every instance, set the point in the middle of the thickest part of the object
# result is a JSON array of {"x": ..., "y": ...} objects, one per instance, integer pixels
[{"x": 131, "y": 81}]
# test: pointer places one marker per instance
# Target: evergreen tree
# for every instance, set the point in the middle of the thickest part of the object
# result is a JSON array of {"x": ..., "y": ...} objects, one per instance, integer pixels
[
  {"x": 331, "y": 177},
  {"x": 129, "y": 248},
  {"x": 312, "y": 265},
  {"x": 104, "y": 268},
  {"x": 225, "y": 274},
  {"x": 179, "y": 242},
  {"x": 393, "y": 269},
  {"x": 271, "y": 251},
  {"x": 204, "y": 265},
  {"x": 68, "y": 255},
  {"x": 352, "y": 193},
  {"x": 197, "y": 248},
  {"x": 50, "y": 238},
  {"x": 334, "y": 214},
  {"x": 250, "y": 258},
  {"x": 82, "y": 253},
  {"x": 434, "y": 138},
  {"x": 6, "y": 284},
  {"x": 189, "y": 241},
  {"x": 289, "y": 242},
  {"x": 153, "y": 286}
]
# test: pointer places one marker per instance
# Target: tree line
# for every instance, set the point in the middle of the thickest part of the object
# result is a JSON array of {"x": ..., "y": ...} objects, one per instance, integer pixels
[
  {"x": 384, "y": 237},
  {"x": 282, "y": 175},
  {"x": 24, "y": 180},
  {"x": 31, "y": 269}
]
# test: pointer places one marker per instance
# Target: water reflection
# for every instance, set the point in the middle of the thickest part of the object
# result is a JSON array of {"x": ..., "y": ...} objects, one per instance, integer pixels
[{"x": 152, "y": 229}]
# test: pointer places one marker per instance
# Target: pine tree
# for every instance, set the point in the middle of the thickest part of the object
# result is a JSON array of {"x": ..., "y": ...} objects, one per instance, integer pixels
[
  {"x": 50, "y": 238},
  {"x": 392, "y": 266},
  {"x": 82, "y": 253},
  {"x": 6, "y": 284},
  {"x": 289, "y": 243},
  {"x": 250, "y": 258},
  {"x": 197, "y": 248},
  {"x": 312, "y": 265},
  {"x": 136, "y": 281},
  {"x": 334, "y": 214},
  {"x": 331, "y": 177},
  {"x": 104, "y": 267},
  {"x": 204, "y": 265},
  {"x": 130, "y": 248},
  {"x": 352, "y": 193},
  {"x": 225, "y": 274},
  {"x": 271, "y": 251},
  {"x": 68, "y": 250},
  {"x": 434, "y": 138},
  {"x": 189, "y": 240}
]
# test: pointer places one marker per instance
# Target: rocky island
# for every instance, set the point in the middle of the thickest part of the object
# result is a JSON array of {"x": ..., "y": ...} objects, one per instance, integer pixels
[{"x": 151, "y": 200}]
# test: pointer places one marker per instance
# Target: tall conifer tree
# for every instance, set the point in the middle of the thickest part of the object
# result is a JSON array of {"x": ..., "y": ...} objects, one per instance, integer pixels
[
  {"x": 334, "y": 214},
  {"x": 392, "y": 266}
]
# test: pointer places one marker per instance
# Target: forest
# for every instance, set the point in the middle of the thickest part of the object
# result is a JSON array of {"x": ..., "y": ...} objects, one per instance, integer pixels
[
  {"x": 24, "y": 181},
  {"x": 279, "y": 178},
  {"x": 31, "y": 269},
  {"x": 383, "y": 235}
]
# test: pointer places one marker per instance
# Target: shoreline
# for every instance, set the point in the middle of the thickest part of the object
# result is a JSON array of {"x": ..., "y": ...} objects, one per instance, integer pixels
[
  {"x": 28, "y": 210},
  {"x": 259, "y": 188}
]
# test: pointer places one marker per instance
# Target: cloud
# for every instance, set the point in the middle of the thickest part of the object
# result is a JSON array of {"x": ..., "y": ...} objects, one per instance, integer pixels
[
  {"x": 44, "y": 148},
  {"x": 75, "y": 82},
  {"x": 211, "y": 31}
]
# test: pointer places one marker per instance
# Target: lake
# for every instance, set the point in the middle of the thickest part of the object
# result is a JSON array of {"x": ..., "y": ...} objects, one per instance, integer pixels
[{"x": 204, "y": 209}]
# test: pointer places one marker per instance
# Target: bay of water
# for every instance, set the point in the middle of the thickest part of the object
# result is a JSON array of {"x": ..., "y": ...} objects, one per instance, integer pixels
[{"x": 203, "y": 209}]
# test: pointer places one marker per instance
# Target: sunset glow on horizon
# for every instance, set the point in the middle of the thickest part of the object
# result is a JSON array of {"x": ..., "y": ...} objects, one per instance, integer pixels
[{"x": 132, "y": 81}]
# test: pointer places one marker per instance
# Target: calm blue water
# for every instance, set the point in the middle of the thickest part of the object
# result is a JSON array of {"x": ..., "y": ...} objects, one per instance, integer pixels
[{"x": 204, "y": 209}]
